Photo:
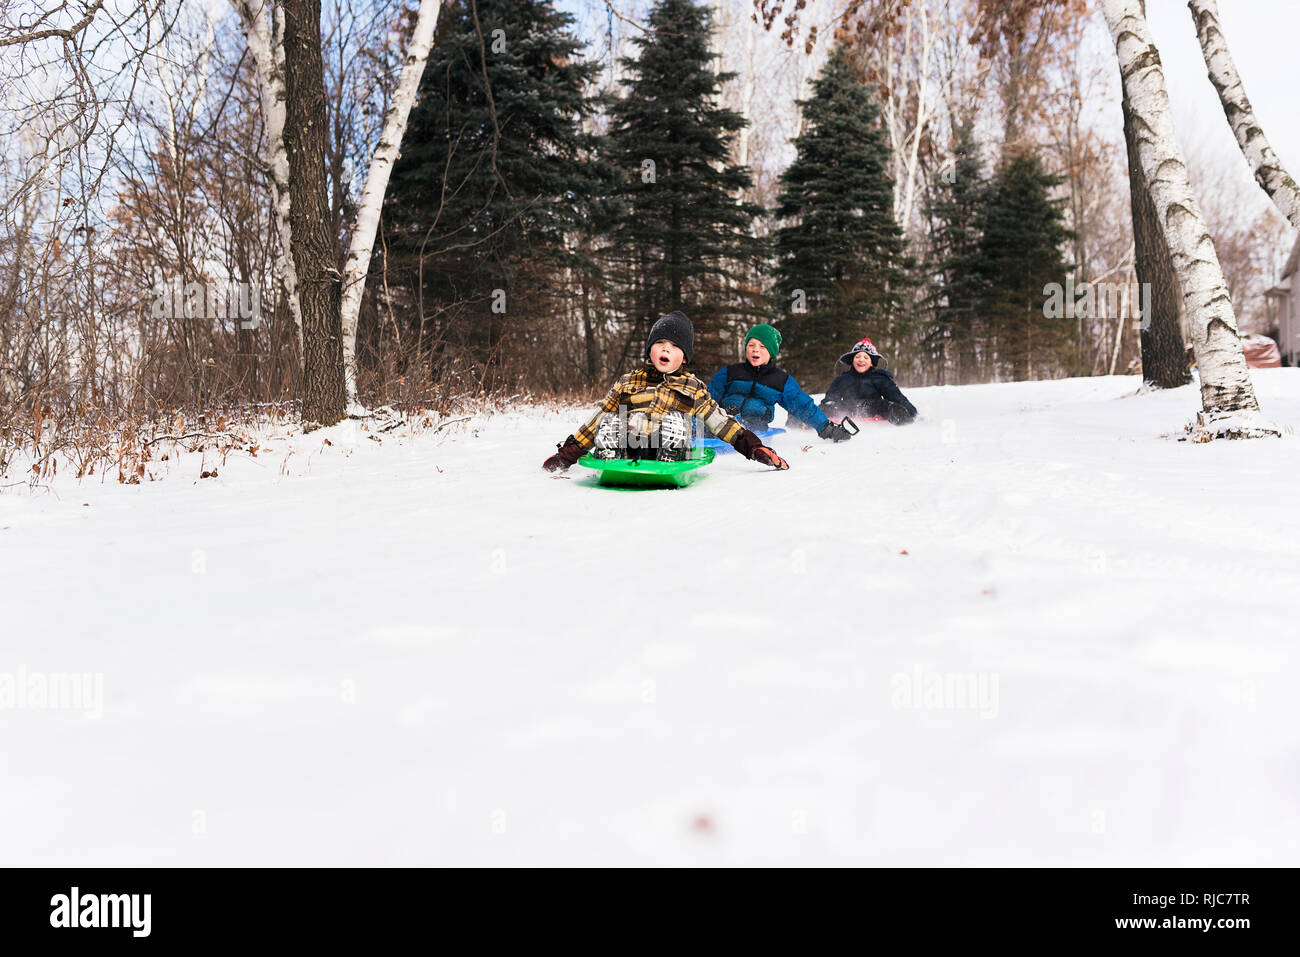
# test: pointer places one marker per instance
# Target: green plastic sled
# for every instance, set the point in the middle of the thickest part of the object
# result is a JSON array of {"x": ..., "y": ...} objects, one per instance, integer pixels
[{"x": 648, "y": 473}]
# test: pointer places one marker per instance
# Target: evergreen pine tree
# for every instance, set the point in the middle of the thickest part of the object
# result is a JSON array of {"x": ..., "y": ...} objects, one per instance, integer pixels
[
  {"x": 841, "y": 258},
  {"x": 952, "y": 264},
  {"x": 683, "y": 232},
  {"x": 496, "y": 174},
  {"x": 1022, "y": 234}
]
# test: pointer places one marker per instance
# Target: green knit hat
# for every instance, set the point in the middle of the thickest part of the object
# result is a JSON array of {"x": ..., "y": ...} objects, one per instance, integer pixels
[{"x": 769, "y": 336}]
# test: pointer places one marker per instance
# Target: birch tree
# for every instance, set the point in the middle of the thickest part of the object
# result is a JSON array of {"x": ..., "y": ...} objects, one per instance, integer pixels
[
  {"x": 1229, "y": 406},
  {"x": 1268, "y": 169},
  {"x": 362, "y": 243},
  {"x": 266, "y": 44},
  {"x": 924, "y": 50},
  {"x": 896, "y": 47},
  {"x": 1164, "y": 354}
]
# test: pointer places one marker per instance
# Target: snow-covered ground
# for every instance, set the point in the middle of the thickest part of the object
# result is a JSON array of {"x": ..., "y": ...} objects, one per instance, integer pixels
[{"x": 1032, "y": 628}]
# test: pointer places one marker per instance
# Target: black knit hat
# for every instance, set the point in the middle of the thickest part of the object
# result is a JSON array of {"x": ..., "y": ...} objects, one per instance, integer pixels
[{"x": 677, "y": 329}]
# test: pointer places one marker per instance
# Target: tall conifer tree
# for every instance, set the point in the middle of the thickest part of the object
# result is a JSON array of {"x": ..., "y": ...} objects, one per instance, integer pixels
[
  {"x": 496, "y": 173},
  {"x": 683, "y": 232},
  {"x": 1022, "y": 234},
  {"x": 955, "y": 329},
  {"x": 842, "y": 268}
]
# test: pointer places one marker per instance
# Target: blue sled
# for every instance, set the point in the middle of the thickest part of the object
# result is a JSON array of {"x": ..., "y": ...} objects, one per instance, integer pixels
[{"x": 722, "y": 448}]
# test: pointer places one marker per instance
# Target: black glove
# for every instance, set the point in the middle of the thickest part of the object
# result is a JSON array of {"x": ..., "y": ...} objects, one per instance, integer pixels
[
  {"x": 834, "y": 432},
  {"x": 899, "y": 414},
  {"x": 569, "y": 453}
]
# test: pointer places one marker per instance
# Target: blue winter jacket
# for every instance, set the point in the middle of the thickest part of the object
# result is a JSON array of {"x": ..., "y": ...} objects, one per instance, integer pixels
[{"x": 751, "y": 395}]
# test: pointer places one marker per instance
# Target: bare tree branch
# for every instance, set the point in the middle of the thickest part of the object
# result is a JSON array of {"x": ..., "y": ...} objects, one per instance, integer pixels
[{"x": 66, "y": 33}]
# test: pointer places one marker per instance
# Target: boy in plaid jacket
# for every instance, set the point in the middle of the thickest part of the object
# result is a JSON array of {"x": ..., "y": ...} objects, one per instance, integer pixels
[{"x": 647, "y": 413}]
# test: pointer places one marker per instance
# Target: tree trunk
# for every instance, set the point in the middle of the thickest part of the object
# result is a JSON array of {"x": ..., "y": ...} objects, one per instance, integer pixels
[
  {"x": 1120, "y": 320},
  {"x": 748, "y": 77},
  {"x": 266, "y": 43},
  {"x": 372, "y": 194},
  {"x": 1228, "y": 399},
  {"x": 589, "y": 333},
  {"x": 911, "y": 167},
  {"x": 324, "y": 398},
  {"x": 1029, "y": 341},
  {"x": 1269, "y": 172},
  {"x": 1164, "y": 354}
]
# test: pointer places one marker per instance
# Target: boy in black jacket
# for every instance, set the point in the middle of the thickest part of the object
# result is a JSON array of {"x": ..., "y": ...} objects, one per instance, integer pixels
[{"x": 866, "y": 390}]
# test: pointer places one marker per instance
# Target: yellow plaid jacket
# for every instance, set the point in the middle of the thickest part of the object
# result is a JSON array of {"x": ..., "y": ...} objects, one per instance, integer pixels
[{"x": 649, "y": 390}]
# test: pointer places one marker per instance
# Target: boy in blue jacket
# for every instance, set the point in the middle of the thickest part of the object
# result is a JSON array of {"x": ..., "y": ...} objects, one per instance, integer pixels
[{"x": 751, "y": 390}]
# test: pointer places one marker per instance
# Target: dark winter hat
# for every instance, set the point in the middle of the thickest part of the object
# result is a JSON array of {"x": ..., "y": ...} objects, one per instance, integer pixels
[
  {"x": 677, "y": 329},
  {"x": 862, "y": 345},
  {"x": 769, "y": 336}
]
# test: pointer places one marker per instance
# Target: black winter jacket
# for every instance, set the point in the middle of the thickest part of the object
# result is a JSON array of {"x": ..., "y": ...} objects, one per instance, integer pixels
[{"x": 864, "y": 394}]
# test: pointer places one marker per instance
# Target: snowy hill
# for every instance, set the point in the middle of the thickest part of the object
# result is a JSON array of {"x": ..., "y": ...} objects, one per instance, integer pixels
[{"x": 1032, "y": 628}]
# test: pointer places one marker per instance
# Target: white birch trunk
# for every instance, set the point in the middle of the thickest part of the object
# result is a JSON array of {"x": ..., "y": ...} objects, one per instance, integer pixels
[
  {"x": 807, "y": 66},
  {"x": 893, "y": 115},
  {"x": 267, "y": 46},
  {"x": 362, "y": 244},
  {"x": 1228, "y": 399},
  {"x": 899, "y": 71},
  {"x": 1120, "y": 321},
  {"x": 922, "y": 118},
  {"x": 1269, "y": 172},
  {"x": 747, "y": 91}
]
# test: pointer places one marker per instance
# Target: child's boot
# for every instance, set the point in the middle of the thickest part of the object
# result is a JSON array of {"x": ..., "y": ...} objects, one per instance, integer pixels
[
  {"x": 674, "y": 437},
  {"x": 606, "y": 445}
]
